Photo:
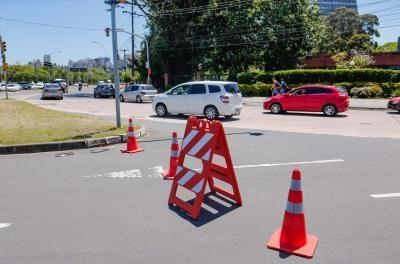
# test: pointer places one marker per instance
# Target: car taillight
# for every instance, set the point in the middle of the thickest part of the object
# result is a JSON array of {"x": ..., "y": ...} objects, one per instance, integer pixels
[
  {"x": 142, "y": 93},
  {"x": 224, "y": 99}
]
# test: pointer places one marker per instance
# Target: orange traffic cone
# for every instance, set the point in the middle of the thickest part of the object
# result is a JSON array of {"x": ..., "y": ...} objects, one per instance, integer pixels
[
  {"x": 292, "y": 238},
  {"x": 131, "y": 144},
  {"x": 173, "y": 160}
]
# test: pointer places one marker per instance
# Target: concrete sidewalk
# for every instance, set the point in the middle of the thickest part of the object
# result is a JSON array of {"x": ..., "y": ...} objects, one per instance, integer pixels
[{"x": 370, "y": 104}]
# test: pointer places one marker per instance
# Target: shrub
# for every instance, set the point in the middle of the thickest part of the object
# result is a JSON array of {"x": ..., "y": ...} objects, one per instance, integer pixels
[
  {"x": 293, "y": 77},
  {"x": 247, "y": 77},
  {"x": 257, "y": 89},
  {"x": 396, "y": 93},
  {"x": 370, "y": 91},
  {"x": 389, "y": 88}
]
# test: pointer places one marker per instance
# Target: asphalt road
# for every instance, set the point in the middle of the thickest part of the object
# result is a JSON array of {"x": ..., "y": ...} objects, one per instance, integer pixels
[
  {"x": 358, "y": 123},
  {"x": 101, "y": 206}
]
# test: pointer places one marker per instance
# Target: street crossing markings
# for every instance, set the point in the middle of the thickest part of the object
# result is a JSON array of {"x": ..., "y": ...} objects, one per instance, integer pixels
[
  {"x": 385, "y": 195},
  {"x": 4, "y": 225}
]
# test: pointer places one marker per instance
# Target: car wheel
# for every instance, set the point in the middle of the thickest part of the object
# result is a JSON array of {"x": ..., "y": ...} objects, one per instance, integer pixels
[
  {"x": 61, "y": 98},
  {"x": 95, "y": 95},
  {"x": 276, "y": 108},
  {"x": 161, "y": 110},
  {"x": 329, "y": 110},
  {"x": 211, "y": 112},
  {"x": 121, "y": 98},
  {"x": 138, "y": 99}
]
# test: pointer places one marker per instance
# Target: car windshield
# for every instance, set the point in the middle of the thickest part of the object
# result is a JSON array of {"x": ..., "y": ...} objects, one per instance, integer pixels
[{"x": 232, "y": 88}]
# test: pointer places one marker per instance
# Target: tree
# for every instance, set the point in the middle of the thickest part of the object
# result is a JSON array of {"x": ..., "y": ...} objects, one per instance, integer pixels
[
  {"x": 347, "y": 31},
  {"x": 387, "y": 47},
  {"x": 290, "y": 31}
]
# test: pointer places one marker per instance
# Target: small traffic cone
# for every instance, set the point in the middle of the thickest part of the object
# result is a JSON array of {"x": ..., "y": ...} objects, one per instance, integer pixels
[
  {"x": 173, "y": 161},
  {"x": 131, "y": 144},
  {"x": 292, "y": 238}
]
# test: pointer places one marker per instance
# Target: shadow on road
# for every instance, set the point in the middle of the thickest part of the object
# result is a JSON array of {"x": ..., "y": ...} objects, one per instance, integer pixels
[
  {"x": 221, "y": 207},
  {"x": 79, "y": 95},
  {"x": 393, "y": 112},
  {"x": 185, "y": 117},
  {"x": 306, "y": 114}
]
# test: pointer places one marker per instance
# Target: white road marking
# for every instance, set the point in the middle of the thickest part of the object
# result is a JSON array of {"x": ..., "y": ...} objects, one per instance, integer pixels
[
  {"x": 155, "y": 172},
  {"x": 385, "y": 195},
  {"x": 288, "y": 163},
  {"x": 4, "y": 225}
]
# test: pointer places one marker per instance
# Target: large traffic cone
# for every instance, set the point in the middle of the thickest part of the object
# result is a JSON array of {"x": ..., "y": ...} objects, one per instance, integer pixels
[
  {"x": 131, "y": 144},
  {"x": 173, "y": 160},
  {"x": 292, "y": 238}
]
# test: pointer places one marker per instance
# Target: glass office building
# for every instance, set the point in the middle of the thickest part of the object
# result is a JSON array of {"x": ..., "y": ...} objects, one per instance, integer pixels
[{"x": 328, "y": 6}]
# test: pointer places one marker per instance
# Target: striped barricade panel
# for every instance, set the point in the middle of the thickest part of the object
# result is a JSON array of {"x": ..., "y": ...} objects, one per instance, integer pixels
[
  {"x": 189, "y": 179},
  {"x": 198, "y": 144}
]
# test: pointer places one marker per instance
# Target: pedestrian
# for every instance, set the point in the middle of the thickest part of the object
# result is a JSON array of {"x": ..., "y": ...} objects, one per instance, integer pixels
[
  {"x": 284, "y": 88},
  {"x": 275, "y": 87}
]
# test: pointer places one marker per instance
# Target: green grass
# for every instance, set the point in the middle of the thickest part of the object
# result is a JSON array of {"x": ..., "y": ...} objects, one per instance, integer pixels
[{"x": 23, "y": 123}]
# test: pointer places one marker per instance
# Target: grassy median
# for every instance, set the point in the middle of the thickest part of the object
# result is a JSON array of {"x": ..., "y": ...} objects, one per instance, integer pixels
[{"x": 22, "y": 123}]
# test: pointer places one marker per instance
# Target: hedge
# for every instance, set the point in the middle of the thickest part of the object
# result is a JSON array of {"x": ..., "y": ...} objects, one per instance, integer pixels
[
  {"x": 293, "y": 77},
  {"x": 358, "y": 89}
]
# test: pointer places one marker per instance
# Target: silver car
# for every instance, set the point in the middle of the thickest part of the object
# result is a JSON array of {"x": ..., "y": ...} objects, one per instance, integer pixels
[
  {"x": 138, "y": 93},
  {"x": 51, "y": 90}
]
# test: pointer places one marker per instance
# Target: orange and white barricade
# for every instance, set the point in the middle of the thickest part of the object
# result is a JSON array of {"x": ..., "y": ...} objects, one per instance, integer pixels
[{"x": 202, "y": 140}]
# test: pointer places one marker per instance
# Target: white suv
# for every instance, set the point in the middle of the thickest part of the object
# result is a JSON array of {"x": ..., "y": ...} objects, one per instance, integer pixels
[{"x": 209, "y": 98}]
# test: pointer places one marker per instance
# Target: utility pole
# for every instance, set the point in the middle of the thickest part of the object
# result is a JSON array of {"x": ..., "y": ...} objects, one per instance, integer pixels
[
  {"x": 113, "y": 4},
  {"x": 132, "y": 13},
  {"x": 147, "y": 51},
  {"x": 124, "y": 51}
]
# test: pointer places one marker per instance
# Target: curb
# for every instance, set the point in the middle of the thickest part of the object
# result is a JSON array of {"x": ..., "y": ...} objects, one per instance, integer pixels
[{"x": 69, "y": 145}]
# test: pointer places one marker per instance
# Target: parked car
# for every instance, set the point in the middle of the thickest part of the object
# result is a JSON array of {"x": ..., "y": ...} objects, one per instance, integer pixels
[
  {"x": 2, "y": 86},
  {"x": 63, "y": 84},
  {"x": 104, "y": 90},
  {"x": 138, "y": 93},
  {"x": 33, "y": 85},
  {"x": 40, "y": 85},
  {"x": 13, "y": 87},
  {"x": 327, "y": 99},
  {"x": 209, "y": 98},
  {"x": 52, "y": 90},
  {"x": 25, "y": 85},
  {"x": 394, "y": 103}
]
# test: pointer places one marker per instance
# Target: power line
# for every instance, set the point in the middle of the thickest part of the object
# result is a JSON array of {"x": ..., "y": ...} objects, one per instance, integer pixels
[{"x": 48, "y": 25}]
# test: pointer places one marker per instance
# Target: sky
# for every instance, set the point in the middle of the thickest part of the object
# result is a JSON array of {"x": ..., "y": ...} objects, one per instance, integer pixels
[{"x": 26, "y": 41}]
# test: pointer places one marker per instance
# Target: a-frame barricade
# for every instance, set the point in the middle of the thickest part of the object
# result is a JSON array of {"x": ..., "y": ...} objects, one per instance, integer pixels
[{"x": 202, "y": 140}]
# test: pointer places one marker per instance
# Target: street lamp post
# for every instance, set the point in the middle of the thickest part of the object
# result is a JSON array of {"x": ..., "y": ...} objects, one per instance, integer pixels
[{"x": 147, "y": 52}]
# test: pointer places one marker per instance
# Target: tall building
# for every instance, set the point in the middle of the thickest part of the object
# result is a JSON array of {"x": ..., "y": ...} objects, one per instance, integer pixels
[{"x": 328, "y": 6}]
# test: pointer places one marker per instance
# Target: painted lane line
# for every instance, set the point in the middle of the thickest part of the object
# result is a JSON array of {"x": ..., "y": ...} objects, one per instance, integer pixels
[
  {"x": 4, "y": 225},
  {"x": 385, "y": 195},
  {"x": 288, "y": 163},
  {"x": 155, "y": 172}
]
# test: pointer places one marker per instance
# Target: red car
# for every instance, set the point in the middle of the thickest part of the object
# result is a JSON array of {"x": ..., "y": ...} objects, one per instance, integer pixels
[
  {"x": 394, "y": 103},
  {"x": 327, "y": 99}
]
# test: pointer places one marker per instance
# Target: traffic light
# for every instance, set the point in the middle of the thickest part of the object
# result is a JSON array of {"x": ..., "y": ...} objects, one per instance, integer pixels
[
  {"x": 3, "y": 47},
  {"x": 107, "y": 29}
]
